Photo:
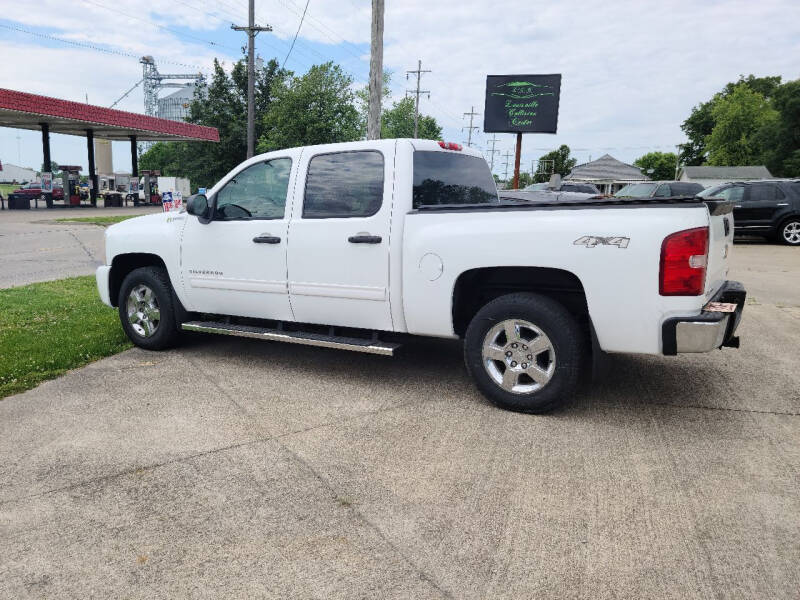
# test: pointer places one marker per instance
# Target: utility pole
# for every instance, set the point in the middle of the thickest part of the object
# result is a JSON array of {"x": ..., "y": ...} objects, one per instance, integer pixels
[
  {"x": 471, "y": 114},
  {"x": 375, "y": 72},
  {"x": 417, "y": 92},
  {"x": 252, "y": 29},
  {"x": 678, "y": 160},
  {"x": 492, "y": 152},
  {"x": 507, "y": 156}
]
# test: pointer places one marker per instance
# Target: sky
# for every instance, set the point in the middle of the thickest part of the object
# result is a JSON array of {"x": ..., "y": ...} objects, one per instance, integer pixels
[{"x": 631, "y": 71}]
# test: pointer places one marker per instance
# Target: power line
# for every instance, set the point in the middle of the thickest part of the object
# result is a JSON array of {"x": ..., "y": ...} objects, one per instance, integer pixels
[
  {"x": 471, "y": 114},
  {"x": 164, "y": 27},
  {"x": 296, "y": 33},
  {"x": 492, "y": 151},
  {"x": 252, "y": 31},
  {"x": 418, "y": 91},
  {"x": 91, "y": 46}
]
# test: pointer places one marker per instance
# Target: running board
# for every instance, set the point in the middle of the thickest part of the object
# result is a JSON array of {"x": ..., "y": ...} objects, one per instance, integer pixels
[{"x": 370, "y": 346}]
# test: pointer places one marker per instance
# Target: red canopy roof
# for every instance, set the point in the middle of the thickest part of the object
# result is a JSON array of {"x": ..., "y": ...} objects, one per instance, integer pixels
[{"x": 21, "y": 110}]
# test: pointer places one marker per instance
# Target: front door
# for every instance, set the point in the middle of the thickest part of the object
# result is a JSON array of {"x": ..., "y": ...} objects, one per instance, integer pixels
[
  {"x": 339, "y": 241},
  {"x": 236, "y": 264}
]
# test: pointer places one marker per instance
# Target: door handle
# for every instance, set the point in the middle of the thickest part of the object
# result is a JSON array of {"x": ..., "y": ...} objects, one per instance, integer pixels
[
  {"x": 365, "y": 239},
  {"x": 782, "y": 204},
  {"x": 737, "y": 206},
  {"x": 266, "y": 238}
]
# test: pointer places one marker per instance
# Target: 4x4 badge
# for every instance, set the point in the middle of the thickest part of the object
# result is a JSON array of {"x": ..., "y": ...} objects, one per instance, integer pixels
[{"x": 590, "y": 241}]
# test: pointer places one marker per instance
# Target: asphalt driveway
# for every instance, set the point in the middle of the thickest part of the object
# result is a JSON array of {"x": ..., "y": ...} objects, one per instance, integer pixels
[{"x": 237, "y": 468}]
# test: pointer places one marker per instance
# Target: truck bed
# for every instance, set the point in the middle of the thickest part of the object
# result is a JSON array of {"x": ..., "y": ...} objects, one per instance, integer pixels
[{"x": 571, "y": 200}]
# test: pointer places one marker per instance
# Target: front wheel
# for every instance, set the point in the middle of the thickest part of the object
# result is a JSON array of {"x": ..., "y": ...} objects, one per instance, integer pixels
[
  {"x": 524, "y": 352},
  {"x": 146, "y": 308},
  {"x": 789, "y": 232}
]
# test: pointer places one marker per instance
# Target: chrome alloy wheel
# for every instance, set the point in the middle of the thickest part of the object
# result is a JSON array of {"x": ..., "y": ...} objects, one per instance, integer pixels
[
  {"x": 143, "y": 312},
  {"x": 518, "y": 356},
  {"x": 791, "y": 232}
]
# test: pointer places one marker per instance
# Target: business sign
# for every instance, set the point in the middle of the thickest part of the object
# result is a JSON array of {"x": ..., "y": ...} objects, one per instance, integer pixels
[
  {"x": 47, "y": 183},
  {"x": 521, "y": 103}
]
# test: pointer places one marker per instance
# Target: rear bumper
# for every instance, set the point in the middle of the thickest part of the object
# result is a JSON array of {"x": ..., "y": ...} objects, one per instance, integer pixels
[
  {"x": 102, "y": 276},
  {"x": 708, "y": 330}
]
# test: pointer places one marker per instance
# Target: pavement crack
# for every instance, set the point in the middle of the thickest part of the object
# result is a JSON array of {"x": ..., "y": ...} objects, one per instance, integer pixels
[
  {"x": 85, "y": 249},
  {"x": 335, "y": 495}
]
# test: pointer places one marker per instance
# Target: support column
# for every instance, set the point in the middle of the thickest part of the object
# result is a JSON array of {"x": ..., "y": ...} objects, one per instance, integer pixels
[
  {"x": 46, "y": 157},
  {"x": 134, "y": 165},
  {"x": 92, "y": 174}
]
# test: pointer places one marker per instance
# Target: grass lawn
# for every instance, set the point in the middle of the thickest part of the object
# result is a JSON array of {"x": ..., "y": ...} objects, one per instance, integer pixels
[
  {"x": 104, "y": 221},
  {"x": 51, "y": 327},
  {"x": 7, "y": 188}
]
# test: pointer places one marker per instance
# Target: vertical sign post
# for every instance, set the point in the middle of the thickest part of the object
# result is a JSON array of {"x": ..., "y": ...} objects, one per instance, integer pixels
[{"x": 521, "y": 104}]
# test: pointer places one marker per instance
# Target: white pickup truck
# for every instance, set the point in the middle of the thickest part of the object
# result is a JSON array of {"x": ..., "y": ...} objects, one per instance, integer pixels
[{"x": 360, "y": 245}]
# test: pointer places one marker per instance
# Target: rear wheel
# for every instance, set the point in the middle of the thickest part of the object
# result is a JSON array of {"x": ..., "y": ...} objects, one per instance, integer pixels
[
  {"x": 524, "y": 352},
  {"x": 146, "y": 308},
  {"x": 789, "y": 231}
]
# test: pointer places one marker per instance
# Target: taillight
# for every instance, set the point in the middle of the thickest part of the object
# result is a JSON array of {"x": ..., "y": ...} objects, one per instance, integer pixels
[
  {"x": 684, "y": 256},
  {"x": 450, "y": 145}
]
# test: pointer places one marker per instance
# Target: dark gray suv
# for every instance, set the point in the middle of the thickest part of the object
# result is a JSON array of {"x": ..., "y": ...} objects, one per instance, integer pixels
[{"x": 769, "y": 208}]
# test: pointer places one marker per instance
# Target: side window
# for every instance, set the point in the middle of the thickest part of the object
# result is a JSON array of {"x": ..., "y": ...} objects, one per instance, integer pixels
[
  {"x": 734, "y": 194},
  {"x": 762, "y": 193},
  {"x": 258, "y": 192},
  {"x": 663, "y": 191},
  {"x": 779, "y": 195},
  {"x": 344, "y": 185}
]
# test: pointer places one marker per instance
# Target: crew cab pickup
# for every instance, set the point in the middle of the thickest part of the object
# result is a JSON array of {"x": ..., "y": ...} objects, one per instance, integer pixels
[{"x": 362, "y": 245}]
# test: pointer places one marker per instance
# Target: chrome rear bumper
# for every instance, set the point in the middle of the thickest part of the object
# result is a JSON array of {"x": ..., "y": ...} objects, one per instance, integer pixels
[{"x": 708, "y": 330}]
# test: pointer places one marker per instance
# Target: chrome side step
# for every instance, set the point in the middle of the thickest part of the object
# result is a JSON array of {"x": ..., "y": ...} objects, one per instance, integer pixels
[{"x": 370, "y": 346}]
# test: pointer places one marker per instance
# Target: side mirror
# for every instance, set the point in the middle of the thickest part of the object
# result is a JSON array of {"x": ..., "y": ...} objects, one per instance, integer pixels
[{"x": 198, "y": 206}]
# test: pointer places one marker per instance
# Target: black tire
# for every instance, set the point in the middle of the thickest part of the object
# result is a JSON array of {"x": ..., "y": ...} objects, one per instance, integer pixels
[
  {"x": 165, "y": 334},
  {"x": 786, "y": 238},
  {"x": 566, "y": 340}
]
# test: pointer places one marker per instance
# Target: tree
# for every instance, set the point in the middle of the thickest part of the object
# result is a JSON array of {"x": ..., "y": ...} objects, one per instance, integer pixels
[
  {"x": 662, "y": 163},
  {"x": 743, "y": 123},
  {"x": 54, "y": 168},
  {"x": 700, "y": 123},
  {"x": 785, "y": 160},
  {"x": 562, "y": 164},
  {"x": 315, "y": 108},
  {"x": 222, "y": 104},
  {"x": 362, "y": 101},
  {"x": 398, "y": 122}
]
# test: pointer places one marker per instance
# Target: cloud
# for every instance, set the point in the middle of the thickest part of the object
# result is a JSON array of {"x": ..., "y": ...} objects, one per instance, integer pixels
[{"x": 631, "y": 70}]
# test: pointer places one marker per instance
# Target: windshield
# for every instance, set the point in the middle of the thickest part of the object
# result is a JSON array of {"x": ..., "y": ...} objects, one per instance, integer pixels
[
  {"x": 449, "y": 178},
  {"x": 535, "y": 186},
  {"x": 636, "y": 190}
]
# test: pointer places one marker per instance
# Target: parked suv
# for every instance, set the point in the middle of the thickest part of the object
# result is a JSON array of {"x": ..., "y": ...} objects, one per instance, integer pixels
[
  {"x": 659, "y": 189},
  {"x": 770, "y": 208},
  {"x": 583, "y": 188}
]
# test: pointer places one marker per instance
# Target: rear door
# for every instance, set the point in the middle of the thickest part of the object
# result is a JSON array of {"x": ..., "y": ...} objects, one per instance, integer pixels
[
  {"x": 761, "y": 202},
  {"x": 338, "y": 262}
]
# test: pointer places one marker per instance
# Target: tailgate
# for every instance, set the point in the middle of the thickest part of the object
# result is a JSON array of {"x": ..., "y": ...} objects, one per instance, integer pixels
[{"x": 720, "y": 244}]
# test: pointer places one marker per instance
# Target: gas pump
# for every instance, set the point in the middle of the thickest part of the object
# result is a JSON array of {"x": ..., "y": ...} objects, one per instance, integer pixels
[
  {"x": 71, "y": 182},
  {"x": 150, "y": 193}
]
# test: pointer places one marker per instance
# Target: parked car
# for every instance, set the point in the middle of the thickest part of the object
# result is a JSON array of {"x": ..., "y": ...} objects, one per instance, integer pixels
[
  {"x": 567, "y": 186},
  {"x": 769, "y": 208},
  {"x": 659, "y": 189},
  {"x": 22, "y": 196},
  {"x": 361, "y": 245}
]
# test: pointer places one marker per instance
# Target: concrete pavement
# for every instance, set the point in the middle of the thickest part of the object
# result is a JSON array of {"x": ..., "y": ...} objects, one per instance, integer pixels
[
  {"x": 234, "y": 468},
  {"x": 35, "y": 247}
]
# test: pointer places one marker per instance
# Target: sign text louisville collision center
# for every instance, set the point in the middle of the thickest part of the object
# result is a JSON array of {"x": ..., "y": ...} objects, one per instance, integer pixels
[{"x": 521, "y": 103}]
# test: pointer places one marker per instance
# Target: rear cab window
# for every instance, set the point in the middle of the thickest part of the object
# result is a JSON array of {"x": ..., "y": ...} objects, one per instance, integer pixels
[{"x": 451, "y": 179}]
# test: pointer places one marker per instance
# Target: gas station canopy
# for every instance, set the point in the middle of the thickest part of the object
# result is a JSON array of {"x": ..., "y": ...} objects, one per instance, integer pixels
[{"x": 21, "y": 110}]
